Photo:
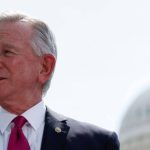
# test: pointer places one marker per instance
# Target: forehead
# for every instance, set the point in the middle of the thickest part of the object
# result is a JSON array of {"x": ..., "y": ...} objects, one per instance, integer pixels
[{"x": 19, "y": 31}]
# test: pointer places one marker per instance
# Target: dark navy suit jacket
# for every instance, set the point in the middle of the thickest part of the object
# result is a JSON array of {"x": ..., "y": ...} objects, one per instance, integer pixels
[{"x": 75, "y": 135}]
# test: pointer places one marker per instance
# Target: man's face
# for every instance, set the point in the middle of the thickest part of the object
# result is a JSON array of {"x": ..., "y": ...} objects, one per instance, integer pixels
[{"x": 19, "y": 66}]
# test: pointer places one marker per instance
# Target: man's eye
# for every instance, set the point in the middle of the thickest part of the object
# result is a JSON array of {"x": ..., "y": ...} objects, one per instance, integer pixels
[{"x": 8, "y": 52}]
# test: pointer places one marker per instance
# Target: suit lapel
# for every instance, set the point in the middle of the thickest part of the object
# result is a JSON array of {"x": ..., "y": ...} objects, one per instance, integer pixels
[{"x": 55, "y": 132}]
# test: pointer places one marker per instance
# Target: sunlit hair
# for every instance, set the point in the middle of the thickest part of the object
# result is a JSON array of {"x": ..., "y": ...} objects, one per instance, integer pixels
[{"x": 42, "y": 42}]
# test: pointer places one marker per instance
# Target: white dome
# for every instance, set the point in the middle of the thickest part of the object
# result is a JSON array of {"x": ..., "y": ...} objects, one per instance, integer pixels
[{"x": 135, "y": 128}]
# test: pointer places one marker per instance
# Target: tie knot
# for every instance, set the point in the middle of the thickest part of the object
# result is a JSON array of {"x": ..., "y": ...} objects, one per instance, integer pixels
[{"x": 19, "y": 121}]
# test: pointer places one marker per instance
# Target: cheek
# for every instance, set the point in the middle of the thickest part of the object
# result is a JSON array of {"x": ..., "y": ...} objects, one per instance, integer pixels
[{"x": 25, "y": 70}]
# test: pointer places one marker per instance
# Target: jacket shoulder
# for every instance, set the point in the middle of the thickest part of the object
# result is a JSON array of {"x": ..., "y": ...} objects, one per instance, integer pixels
[
  {"x": 91, "y": 135},
  {"x": 84, "y": 136}
]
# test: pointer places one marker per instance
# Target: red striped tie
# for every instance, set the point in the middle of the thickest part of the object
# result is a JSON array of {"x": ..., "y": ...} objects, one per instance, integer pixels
[{"x": 17, "y": 140}]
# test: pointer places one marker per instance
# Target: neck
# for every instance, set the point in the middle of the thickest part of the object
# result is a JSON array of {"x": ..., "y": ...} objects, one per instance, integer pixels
[
  {"x": 19, "y": 109},
  {"x": 19, "y": 104}
]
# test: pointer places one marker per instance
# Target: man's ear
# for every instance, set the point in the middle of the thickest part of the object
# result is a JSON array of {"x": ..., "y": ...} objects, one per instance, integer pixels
[{"x": 47, "y": 67}]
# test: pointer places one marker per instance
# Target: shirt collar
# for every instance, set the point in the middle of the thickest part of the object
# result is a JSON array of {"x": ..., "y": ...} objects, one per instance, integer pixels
[
  {"x": 35, "y": 116},
  {"x": 6, "y": 118}
]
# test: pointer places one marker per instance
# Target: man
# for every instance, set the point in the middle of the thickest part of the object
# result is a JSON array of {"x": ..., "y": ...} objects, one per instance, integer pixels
[{"x": 27, "y": 61}]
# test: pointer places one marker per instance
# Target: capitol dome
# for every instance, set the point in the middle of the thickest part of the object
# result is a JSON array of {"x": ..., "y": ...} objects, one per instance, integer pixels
[{"x": 135, "y": 127}]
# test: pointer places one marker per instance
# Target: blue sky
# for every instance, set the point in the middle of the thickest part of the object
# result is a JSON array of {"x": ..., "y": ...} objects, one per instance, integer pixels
[{"x": 103, "y": 55}]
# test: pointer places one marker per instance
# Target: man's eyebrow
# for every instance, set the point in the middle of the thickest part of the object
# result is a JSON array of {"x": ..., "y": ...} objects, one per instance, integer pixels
[{"x": 9, "y": 46}]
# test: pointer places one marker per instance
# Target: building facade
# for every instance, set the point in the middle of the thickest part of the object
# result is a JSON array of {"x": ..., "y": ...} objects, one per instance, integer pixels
[{"x": 134, "y": 132}]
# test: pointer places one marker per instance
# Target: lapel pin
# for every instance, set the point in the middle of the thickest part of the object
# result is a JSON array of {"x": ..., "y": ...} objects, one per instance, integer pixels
[{"x": 58, "y": 130}]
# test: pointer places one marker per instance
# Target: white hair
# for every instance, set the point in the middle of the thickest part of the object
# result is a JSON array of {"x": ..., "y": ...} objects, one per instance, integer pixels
[{"x": 42, "y": 42}]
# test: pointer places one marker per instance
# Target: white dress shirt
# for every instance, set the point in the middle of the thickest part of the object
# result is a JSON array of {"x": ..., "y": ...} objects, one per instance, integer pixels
[{"x": 33, "y": 129}]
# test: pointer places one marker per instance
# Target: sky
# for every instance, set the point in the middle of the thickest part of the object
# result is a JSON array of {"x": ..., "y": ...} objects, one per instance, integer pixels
[{"x": 103, "y": 55}]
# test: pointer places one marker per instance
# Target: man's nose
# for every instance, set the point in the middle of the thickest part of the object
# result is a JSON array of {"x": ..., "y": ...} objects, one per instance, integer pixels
[
  {"x": 0, "y": 52},
  {"x": 1, "y": 59}
]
